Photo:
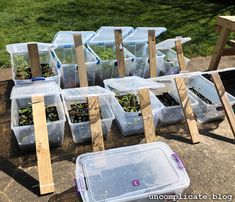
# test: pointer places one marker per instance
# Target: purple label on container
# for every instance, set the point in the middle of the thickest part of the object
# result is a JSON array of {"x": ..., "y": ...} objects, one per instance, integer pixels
[{"x": 135, "y": 182}]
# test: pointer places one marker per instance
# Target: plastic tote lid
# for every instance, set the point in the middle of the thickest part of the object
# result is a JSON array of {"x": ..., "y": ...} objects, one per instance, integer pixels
[
  {"x": 40, "y": 89},
  {"x": 66, "y": 37},
  {"x": 106, "y": 34},
  {"x": 131, "y": 83},
  {"x": 74, "y": 93},
  {"x": 129, "y": 173},
  {"x": 140, "y": 35},
  {"x": 23, "y": 48},
  {"x": 170, "y": 43}
]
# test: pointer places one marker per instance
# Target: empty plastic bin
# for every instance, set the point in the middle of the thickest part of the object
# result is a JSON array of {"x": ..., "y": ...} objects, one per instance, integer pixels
[
  {"x": 21, "y": 99},
  {"x": 81, "y": 130},
  {"x": 210, "y": 107},
  {"x": 63, "y": 53},
  {"x": 136, "y": 43},
  {"x": 102, "y": 45},
  {"x": 21, "y": 71},
  {"x": 131, "y": 121},
  {"x": 130, "y": 173}
]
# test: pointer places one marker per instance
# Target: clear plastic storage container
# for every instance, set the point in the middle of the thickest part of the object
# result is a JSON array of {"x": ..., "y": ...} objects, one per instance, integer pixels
[
  {"x": 102, "y": 45},
  {"x": 81, "y": 130},
  {"x": 21, "y": 98},
  {"x": 21, "y": 72},
  {"x": 63, "y": 53},
  {"x": 136, "y": 43},
  {"x": 130, "y": 173},
  {"x": 131, "y": 122}
]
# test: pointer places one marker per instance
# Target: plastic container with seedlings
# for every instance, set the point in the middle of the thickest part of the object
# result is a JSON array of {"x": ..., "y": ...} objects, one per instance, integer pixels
[
  {"x": 22, "y": 118},
  {"x": 63, "y": 53},
  {"x": 171, "y": 65},
  {"x": 21, "y": 70},
  {"x": 210, "y": 107},
  {"x": 130, "y": 173},
  {"x": 102, "y": 45},
  {"x": 136, "y": 43},
  {"x": 76, "y": 109},
  {"x": 126, "y": 106}
]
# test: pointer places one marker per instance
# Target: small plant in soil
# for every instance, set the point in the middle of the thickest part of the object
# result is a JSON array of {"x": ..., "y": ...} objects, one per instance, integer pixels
[
  {"x": 129, "y": 102},
  {"x": 26, "y": 115},
  {"x": 79, "y": 113},
  {"x": 105, "y": 53},
  {"x": 167, "y": 100},
  {"x": 200, "y": 96}
]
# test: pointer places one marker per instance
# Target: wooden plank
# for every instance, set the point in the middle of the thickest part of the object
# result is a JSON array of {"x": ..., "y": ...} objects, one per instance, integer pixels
[
  {"x": 227, "y": 22},
  {"x": 228, "y": 51},
  {"x": 219, "y": 49},
  {"x": 34, "y": 60},
  {"x": 188, "y": 112},
  {"x": 46, "y": 183},
  {"x": 224, "y": 100},
  {"x": 147, "y": 115},
  {"x": 218, "y": 28},
  {"x": 120, "y": 53},
  {"x": 95, "y": 123},
  {"x": 180, "y": 55},
  {"x": 80, "y": 57},
  {"x": 152, "y": 53}
]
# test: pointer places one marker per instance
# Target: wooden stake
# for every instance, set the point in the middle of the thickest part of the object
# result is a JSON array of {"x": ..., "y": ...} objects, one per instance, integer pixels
[
  {"x": 180, "y": 55},
  {"x": 224, "y": 100},
  {"x": 188, "y": 112},
  {"x": 46, "y": 183},
  {"x": 34, "y": 60},
  {"x": 120, "y": 53},
  {"x": 146, "y": 110},
  {"x": 95, "y": 123},
  {"x": 82, "y": 72},
  {"x": 152, "y": 53}
]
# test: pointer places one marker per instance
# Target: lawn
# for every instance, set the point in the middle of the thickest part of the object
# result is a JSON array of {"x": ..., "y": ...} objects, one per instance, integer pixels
[{"x": 39, "y": 20}]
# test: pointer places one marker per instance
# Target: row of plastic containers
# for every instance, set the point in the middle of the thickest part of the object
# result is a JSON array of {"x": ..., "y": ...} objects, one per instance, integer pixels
[{"x": 100, "y": 56}]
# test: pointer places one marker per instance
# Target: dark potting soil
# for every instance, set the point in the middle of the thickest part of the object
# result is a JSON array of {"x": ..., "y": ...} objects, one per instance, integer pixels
[
  {"x": 26, "y": 115},
  {"x": 167, "y": 100},
  {"x": 129, "y": 102},
  {"x": 200, "y": 96}
]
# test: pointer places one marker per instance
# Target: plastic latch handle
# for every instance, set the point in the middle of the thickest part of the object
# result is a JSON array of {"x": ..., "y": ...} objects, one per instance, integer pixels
[
  {"x": 178, "y": 160},
  {"x": 80, "y": 182},
  {"x": 38, "y": 79}
]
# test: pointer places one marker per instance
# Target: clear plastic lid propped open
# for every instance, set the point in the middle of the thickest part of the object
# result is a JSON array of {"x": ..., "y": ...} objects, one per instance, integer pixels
[
  {"x": 170, "y": 43},
  {"x": 129, "y": 173},
  {"x": 140, "y": 34},
  {"x": 105, "y": 35},
  {"x": 36, "y": 89},
  {"x": 66, "y": 37}
]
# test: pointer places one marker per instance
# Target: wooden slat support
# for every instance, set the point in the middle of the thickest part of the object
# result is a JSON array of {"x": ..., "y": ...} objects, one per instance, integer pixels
[
  {"x": 228, "y": 51},
  {"x": 188, "y": 112},
  {"x": 152, "y": 53},
  {"x": 82, "y": 72},
  {"x": 224, "y": 100},
  {"x": 95, "y": 123},
  {"x": 34, "y": 60},
  {"x": 120, "y": 53},
  {"x": 180, "y": 55},
  {"x": 46, "y": 183},
  {"x": 147, "y": 115}
]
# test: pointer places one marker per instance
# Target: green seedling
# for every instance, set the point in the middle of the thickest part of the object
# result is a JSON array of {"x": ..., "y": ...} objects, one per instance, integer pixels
[{"x": 129, "y": 102}]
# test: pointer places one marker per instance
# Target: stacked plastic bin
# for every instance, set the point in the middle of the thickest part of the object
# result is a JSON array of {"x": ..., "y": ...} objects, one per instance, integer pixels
[
  {"x": 136, "y": 43},
  {"x": 63, "y": 53},
  {"x": 102, "y": 45},
  {"x": 21, "y": 101},
  {"x": 76, "y": 96},
  {"x": 21, "y": 72}
]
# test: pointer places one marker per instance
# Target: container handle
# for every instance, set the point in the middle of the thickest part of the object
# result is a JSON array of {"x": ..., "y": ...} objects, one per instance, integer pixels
[
  {"x": 80, "y": 183},
  {"x": 178, "y": 160},
  {"x": 38, "y": 79}
]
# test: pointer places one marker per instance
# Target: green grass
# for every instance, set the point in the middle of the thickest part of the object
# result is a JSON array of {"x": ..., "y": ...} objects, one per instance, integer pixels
[{"x": 39, "y": 20}]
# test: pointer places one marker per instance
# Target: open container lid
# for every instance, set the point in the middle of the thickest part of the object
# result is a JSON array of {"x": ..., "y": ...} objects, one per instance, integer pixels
[
  {"x": 131, "y": 83},
  {"x": 129, "y": 173},
  {"x": 23, "y": 48},
  {"x": 75, "y": 93},
  {"x": 170, "y": 43},
  {"x": 105, "y": 35},
  {"x": 66, "y": 37},
  {"x": 140, "y": 34},
  {"x": 35, "y": 89}
]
